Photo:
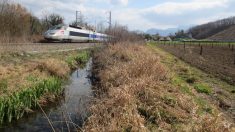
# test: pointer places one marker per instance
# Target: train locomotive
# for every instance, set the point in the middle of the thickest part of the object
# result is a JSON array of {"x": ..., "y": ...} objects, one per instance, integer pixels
[{"x": 64, "y": 33}]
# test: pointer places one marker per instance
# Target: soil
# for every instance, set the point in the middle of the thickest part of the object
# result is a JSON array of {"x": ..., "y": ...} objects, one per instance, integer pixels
[{"x": 218, "y": 60}]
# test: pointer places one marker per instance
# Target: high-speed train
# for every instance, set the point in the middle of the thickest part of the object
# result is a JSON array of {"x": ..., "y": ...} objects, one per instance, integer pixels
[{"x": 70, "y": 33}]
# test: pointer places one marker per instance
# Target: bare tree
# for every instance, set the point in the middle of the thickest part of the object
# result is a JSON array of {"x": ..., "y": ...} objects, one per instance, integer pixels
[
  {"x": 100, "y": 27},
  {"x": 121, "y": 33},
  {"x": 52, "y": 20},
  {"x": 16, "y": 23}
]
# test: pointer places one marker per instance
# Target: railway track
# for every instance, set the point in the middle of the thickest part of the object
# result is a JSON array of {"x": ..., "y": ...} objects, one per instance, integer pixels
[
  {"x": 44, "y": 43},
  {"x": 44, "y": 47}
]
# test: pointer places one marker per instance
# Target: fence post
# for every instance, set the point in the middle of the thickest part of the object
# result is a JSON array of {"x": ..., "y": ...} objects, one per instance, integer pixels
[{"x": 201, "y": 50}]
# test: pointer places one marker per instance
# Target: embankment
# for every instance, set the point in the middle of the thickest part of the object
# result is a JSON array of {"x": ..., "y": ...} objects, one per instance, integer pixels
[
  {"x": 135, "y": 92},
  {"x": 31, "y": 80}
]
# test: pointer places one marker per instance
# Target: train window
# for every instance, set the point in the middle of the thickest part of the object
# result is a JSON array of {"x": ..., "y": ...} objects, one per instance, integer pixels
[
  {"x": 56, "y": 27},
  {"x": 77, "y": 27},
  {"x": 59, "y": 27}
]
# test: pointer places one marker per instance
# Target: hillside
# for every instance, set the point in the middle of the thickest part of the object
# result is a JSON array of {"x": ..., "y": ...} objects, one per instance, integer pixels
[
  {"x": 212, "y": 28},
  {"x": 227, "y": 34}
]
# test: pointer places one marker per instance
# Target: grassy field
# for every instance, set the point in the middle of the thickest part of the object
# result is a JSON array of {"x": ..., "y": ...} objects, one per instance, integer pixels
[
  {"x": 216, "y": 91},
  {"x": 28, "y": 80},
  {"x": 142, "y": 88}
]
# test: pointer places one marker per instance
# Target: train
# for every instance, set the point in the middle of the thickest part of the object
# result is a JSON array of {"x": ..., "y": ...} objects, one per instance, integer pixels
[{"x": 64, "y": 33}]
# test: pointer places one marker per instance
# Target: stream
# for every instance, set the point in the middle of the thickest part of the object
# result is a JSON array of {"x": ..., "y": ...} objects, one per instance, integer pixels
[{"x": 67, "y": 114}]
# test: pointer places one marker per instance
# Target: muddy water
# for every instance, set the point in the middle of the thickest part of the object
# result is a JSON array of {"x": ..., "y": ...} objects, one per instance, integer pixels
[{"x": 68, "y": 114}]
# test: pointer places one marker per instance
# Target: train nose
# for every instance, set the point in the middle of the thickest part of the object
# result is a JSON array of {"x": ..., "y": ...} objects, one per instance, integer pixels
[{"x": 49, "y": 33}]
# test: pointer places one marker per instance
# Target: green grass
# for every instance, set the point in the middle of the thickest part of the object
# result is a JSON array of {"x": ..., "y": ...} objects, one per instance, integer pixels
[
  {"x": 187, "y": 78},
  {"x": 14, "y": 105},
  {"x": 203, "y": 106},
  {"x": 203, "y": 88},
  {"x": 202, "y": 42},
  {"x": 79, "y": 59}
]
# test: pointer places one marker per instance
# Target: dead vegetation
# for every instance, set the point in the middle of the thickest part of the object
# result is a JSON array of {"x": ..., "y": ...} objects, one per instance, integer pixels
[
  {"x": 22, "y": 70},
  {"x": 27, "y": 80},
  {"x": 19, "y": 25},
  {"x": 134, "y": 93},
  {"x": 55, "y": 67}
]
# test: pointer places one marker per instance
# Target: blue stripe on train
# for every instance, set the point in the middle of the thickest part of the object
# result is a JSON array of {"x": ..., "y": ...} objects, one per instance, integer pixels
[{"x": 93, "y": 36}]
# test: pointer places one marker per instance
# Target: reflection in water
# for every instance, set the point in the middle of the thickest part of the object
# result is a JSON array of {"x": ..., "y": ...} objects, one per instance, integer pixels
[{"x": 66, "y": 115}]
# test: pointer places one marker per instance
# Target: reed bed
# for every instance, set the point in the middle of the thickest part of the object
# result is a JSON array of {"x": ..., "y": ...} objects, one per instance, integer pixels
[{"x": 15, "y": 105}]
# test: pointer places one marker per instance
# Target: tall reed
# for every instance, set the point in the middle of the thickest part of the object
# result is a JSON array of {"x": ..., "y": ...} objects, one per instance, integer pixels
[{"x": 15, "y": 105}]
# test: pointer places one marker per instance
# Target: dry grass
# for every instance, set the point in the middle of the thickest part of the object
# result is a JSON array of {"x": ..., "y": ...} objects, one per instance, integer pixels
[
  {"x": 55, "y": 67},
  {"x": 134, "y": 94},
  {"x": 22, "y": 70},
  {"x": 7, "y": 48}
]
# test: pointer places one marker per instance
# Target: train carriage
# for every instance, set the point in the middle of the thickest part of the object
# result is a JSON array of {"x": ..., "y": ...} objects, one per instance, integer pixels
[{"x": 73, "y": 34}]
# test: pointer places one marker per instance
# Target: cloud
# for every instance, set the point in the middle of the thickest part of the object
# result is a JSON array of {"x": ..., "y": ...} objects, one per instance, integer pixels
[
  {"x": 120, "y": 2},
  {"x": 161, "y": 14},
  {"x": 176, "y": 8}
]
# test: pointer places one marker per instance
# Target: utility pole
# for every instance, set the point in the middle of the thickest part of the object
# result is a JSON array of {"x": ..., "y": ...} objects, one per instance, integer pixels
[
  {"x": 110, "y": 20},
  {"x": 80, "y": 14}
]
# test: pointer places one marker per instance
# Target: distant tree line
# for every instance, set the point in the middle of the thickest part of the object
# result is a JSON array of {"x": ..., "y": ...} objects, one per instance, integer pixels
[
  {"x": 17, "y": 22},
  {"x": 203, "y": 31}
]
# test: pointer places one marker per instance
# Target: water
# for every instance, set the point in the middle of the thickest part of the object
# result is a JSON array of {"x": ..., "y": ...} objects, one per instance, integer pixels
[{"x": 68, "y": 114}]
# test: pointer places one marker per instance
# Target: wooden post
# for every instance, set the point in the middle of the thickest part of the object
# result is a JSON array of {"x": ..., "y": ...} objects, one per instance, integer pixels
[
  {"x": 232, "y": 47},
  {"x": 201, "y": 50}
]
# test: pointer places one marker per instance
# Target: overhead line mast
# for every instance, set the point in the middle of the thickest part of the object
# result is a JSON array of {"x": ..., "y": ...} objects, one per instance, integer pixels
[
  {"x": 110, "y": 20},
  {"x": 80, "y": 17}
]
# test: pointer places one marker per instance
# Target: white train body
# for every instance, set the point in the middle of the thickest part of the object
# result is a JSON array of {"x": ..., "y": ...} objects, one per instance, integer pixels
[{"x": 73, "y": 34}]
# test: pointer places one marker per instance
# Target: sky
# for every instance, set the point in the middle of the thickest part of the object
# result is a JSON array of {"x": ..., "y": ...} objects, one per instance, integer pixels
[{"x": 137, "y": 14}]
